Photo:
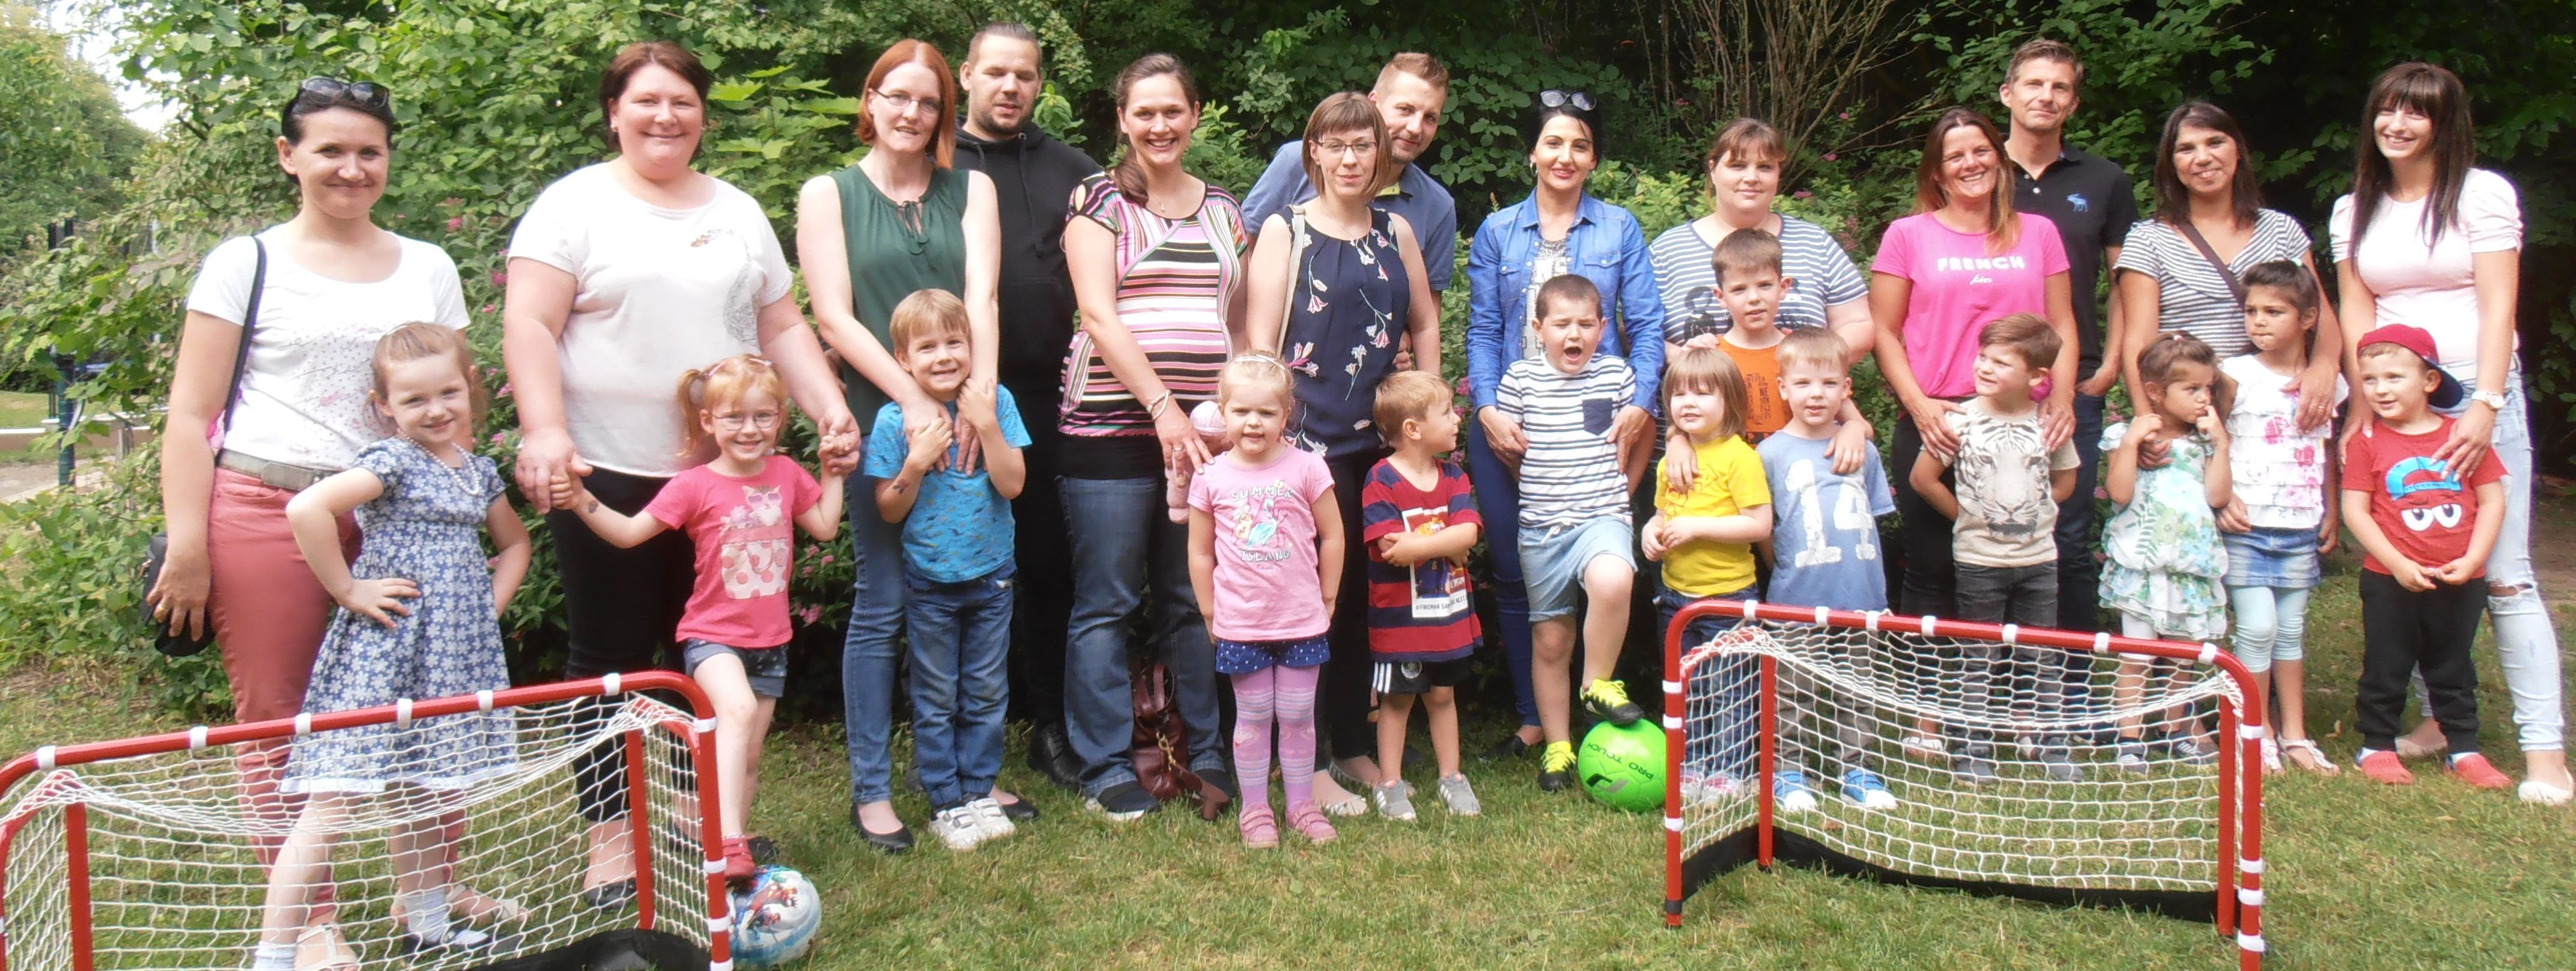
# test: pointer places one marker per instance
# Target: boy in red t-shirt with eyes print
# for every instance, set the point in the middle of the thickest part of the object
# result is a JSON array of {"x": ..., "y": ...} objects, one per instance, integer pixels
[{"x": 2427, "y": 526}]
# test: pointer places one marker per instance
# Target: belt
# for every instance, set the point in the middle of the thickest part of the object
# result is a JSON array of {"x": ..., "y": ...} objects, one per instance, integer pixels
[{"x": 292, "y": 478}]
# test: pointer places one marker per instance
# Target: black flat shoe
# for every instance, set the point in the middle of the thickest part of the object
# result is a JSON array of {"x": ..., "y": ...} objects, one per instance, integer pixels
[
  {"x": 1019, "y": 809},
  {"x": 610, "y": 896},
  {"x": 1051, "y": 754},
  {"x": 463, "y": 940},
  {"x": 899, "y": 841},
  {"x": 1511, "y": 747},
  {"x": 764, "y": 851}
]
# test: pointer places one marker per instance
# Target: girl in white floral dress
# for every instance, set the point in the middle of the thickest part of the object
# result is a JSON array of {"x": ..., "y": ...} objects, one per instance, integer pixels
[
  {"x": 2166, "y": 559},
  {"x": 418, "y": 619}
]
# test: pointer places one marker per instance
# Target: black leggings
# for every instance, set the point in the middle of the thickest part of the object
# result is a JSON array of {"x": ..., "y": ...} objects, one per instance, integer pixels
[
  {"x": 621, "y": 607},
  {"x": 1342, "y": 703},
  {"x": 1930, "y": 586},
  {"x": 1042, "y": 609}
]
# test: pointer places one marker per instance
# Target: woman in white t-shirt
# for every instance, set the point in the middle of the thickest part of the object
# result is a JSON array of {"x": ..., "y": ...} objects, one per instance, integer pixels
[
  {"x": 333, "y": 282},
  {"x": 2427, "y": 240},
  {"x": 622, "y": 276}
]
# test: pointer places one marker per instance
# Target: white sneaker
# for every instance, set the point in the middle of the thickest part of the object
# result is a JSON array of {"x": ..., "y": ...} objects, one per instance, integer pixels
[
  {"x": 2540, "y": 793},
  {"x": 1924, "y": 747},
  {"x": 990, "y": 822},
  {"x": 1701, "y": 790},
  {"x": 956, "y": 826}
]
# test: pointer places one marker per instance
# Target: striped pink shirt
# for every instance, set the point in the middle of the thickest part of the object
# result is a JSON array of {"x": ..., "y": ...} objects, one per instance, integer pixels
[{"x": 1175, "y": 278}]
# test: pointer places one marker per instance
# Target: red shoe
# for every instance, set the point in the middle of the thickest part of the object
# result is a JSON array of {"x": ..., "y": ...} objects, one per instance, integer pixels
[
  {"x": 2475, "y": 770},
  {"x": 2385, "y": 767},
  {"x": 738, "y": 865}
]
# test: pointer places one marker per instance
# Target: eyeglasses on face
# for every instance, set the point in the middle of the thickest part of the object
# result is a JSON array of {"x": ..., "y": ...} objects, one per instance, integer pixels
[
  {"x": 737, "y": 421},
  {"x": 1363, "y": 148},
  {"x": 902, "y": 103}
]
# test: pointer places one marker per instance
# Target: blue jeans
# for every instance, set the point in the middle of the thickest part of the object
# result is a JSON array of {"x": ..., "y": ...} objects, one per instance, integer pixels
[
  {"x": 961, "y": 638},
  {"x": 1122, "y": 538},
  {"x": 2079, "y": 576},
  {"x": 867, "y": 649},
  {"x": 1498, "y": 501}
]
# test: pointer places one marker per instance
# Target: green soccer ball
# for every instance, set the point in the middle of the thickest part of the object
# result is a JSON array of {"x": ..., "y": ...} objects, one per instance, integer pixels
[{"x": 1623, "y": 766}]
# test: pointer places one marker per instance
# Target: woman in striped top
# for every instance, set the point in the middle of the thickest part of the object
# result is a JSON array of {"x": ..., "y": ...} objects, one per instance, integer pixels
[
  {"x": 1155, "y": 255},
  {"x": 2205, "y": 184}
]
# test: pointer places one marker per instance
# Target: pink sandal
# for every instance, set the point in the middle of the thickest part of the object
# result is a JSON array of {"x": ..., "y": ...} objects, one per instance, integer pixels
[
  {"x": 1311, "y": 824},
  {"x": 1259, "y": 831}
]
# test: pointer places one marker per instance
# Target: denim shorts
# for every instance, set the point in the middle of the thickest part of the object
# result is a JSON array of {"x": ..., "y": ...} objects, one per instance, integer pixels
[
  {"x": 2272, "y": 557},
  {"x": 765, "y": 667},
  {"x": 1247, "y": 657},
  {"x": 1553, "y": 561}
]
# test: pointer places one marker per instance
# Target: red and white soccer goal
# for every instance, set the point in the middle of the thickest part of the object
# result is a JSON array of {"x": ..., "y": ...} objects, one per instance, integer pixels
[
  {"x": 153, "y": 852},
  {"x": 2052, "y": 814}
]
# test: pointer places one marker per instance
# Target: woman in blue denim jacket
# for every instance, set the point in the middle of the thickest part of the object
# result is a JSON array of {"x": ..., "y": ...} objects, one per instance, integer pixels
[{"x": 1558, "y": 229}]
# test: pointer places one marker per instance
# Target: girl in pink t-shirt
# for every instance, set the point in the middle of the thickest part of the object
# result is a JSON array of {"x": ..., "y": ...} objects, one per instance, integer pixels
[
  {"x": 1266, "y": 560},
  {"x": 741, "y": 509}
]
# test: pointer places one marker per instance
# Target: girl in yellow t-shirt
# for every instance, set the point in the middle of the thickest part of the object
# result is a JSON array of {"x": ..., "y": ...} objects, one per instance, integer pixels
[{"x": 1704, "y": 538}]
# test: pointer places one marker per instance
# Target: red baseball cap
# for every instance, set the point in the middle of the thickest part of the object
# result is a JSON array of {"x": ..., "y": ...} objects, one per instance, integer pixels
[{"x": 2447, "y": 392}]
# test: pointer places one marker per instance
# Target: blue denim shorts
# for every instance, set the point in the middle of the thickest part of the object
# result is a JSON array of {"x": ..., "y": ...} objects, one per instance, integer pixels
[
  {"x": 764, "y": 667},
  {"x": 1247, "y": 657},
  {"x": 1553, "y": 561},
  {"x": 2272, "y": 557}
]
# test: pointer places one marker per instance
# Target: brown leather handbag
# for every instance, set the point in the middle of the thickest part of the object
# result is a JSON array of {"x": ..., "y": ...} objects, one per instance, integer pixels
[{"x": 1160, "y": 746}]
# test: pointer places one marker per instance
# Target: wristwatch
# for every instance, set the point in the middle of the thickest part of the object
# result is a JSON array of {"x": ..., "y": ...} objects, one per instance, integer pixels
[{"x": 2494, "y": 401}]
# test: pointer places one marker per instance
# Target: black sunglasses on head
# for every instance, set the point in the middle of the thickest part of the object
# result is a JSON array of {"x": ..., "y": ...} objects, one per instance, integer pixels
[
  {"x": 1553, "y": 98},
  {"x": 366, "y": 94}
]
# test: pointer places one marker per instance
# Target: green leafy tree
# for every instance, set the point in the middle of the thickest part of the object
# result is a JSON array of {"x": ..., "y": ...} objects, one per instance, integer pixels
[{"x": 63, "y": 140}]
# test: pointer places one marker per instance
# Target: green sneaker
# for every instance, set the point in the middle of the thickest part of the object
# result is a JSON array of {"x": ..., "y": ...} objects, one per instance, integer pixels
[
  {"x": 1556, "y": 767},
  {"x": 1607, "y": 699}
]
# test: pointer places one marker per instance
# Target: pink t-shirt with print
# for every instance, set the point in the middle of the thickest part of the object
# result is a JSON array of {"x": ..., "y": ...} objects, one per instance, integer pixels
[
  {"x": 1960, "y": 287},
  {"x": 1266, "y": 586},
  {"x": 745, "y": 531}
]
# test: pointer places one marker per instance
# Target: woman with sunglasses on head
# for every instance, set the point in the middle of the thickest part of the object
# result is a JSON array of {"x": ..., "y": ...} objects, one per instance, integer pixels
[
  {"x": 623, "y": 275},
  {"x": 1558, "y": 229},
  {"x": 903, "y": 219},
  {"x": 251, "y": 425},
  {"x": 2428, "y": 239},
  {"x": 1156, "y": 256},
  {"x": 1336, "y": 286}
]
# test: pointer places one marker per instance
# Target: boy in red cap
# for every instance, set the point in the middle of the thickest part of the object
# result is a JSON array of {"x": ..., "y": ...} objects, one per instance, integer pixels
[{"x": 2427, "y": 532}]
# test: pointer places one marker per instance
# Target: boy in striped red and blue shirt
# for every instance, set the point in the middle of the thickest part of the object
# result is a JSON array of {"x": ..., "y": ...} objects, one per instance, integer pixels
[{"x": 1418, "y": 519}]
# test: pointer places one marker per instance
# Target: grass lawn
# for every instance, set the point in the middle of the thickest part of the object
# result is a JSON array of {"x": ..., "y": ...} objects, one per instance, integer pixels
[
  {"x": 23, "y": 409},
  {"x": 2361, "y": 877}
]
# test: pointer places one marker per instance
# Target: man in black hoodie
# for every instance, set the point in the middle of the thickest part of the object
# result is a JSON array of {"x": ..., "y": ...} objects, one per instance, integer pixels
[{"x": 1034, "y": 177}]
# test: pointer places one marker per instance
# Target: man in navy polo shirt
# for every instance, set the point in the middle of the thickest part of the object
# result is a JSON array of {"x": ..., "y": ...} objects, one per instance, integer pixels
[
  {"x": 1411, "y": 92},
  {"x": 2089, "y": 199}
]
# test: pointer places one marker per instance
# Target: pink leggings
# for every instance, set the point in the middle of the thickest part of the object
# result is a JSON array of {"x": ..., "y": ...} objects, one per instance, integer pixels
[
  {"x": 269, "y": 613},
  {"x": 1285, "y": 695}
]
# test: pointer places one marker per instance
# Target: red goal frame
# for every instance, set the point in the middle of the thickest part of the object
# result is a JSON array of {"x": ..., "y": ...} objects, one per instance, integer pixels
[
  {"x": 696, "y": 735},
  {"x": 2238, "y": 907}
]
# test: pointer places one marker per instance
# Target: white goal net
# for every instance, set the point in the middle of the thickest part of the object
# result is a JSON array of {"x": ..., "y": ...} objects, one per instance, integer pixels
[
  {"x": 2046, "y": 765},
  {"x": 157, "y": 852}
]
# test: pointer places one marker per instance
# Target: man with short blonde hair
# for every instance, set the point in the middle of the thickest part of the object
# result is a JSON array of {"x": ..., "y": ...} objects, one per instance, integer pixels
[{"x": 1411, "y": 94}]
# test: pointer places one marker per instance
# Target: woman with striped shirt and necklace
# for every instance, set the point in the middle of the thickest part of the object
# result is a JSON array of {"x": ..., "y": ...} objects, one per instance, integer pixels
[
  {"x": 2206, "y": 188},
  {"x": 1156, "y": 256}
]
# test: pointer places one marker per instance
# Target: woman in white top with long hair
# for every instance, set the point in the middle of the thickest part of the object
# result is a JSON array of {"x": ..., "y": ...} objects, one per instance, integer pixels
[{"x": 2426, "y": 239}]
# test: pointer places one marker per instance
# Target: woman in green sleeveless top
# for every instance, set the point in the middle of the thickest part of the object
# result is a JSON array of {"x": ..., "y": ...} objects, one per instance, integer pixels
[{"x": 868, "y": 236}]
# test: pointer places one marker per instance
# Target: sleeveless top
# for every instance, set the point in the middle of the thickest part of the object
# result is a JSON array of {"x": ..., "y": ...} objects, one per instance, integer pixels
[
  {"x": 896, "y": 249},
  {"x": 1348, "y": 306},
  {"x": 1175, "y": 279}
]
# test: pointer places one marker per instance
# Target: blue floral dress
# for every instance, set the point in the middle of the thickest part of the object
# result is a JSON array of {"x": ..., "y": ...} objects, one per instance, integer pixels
[
  {"x": 2166, "y": 558},
  {"x": 1347, "y": 311},
  {"x": 426, "y": 528}
]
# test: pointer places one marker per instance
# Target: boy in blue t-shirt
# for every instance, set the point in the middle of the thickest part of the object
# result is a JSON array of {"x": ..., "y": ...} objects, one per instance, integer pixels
[
  {"x": 957, "y": 562},
  {"x": 1824, "y": 544}
]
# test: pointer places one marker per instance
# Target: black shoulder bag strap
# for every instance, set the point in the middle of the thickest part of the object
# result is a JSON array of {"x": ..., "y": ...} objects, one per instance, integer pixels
[
  {"x": 250, "y": 323},
  {"x": 2235, "y": 287}
]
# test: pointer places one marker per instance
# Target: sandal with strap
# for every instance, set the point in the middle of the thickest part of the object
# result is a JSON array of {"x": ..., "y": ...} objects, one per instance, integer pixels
[
  {"x": 1260, "y": 828},
  {"x": 2304, "y": 753},
  {"x": 1310, "y": 823},
  {"x": 335, "y": 953}
]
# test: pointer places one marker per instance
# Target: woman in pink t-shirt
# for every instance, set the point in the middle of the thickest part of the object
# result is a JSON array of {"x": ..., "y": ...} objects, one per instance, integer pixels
[
  {"x": 1963, "y": 260},
  {"x": 2426, "y": 239}
]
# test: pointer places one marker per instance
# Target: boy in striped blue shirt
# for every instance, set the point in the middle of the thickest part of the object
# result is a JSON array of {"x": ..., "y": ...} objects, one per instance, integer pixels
[{"x": 1575, "y": 537}]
